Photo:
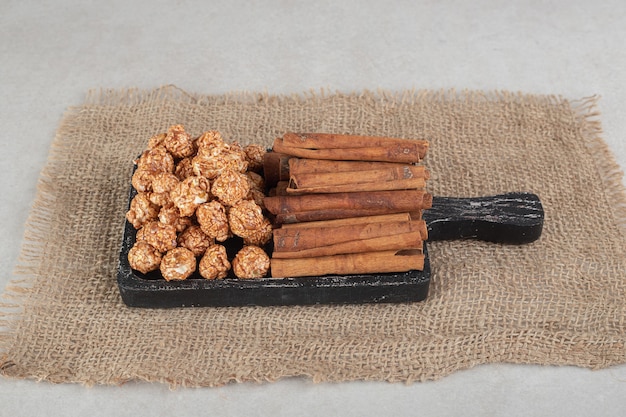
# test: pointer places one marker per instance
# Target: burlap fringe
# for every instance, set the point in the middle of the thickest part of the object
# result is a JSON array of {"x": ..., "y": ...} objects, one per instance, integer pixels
[
  {"x": 135, "y": 96},
  {"x": 29, "y": 262},
  {"x": 609, "y": 170}
]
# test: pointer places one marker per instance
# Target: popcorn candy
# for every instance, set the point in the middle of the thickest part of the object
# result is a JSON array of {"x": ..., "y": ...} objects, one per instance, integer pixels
[
  {"x": 142, "y": 180},
  {"x": 255, "y": 180},
  {"x": 170, "y": 214},
  {"x": 156, "y": 160},
  {"x": 144, "y": 257},
  {"x": 183, "y": 169},
  {"x": 251, "y": 262},
  {"x": 156, "y": 140},
  {"x": 230, "y": 187},
  {"x": 178, "y": 264},
  {"x": 211, "y": 162},
  {"x": 192, "y": 193},
  {"x": 254, "y": 156},
  {"x": 141, "y": 211},
  {"x": 214, "y": 264},
  {"x": 178, "y": 142},
  {"x": 257, "y": 187},
  {"x": 194, "y": 239},
  {"x": 159, "y": 235},
  {"x": 162, "y": 183},
  {"x": 260, "y": 236},
  {"x": 187, "y": 195},
  {"x": 211, "y": 139},
  {"x": 213, "y": 220},
  {"x": 245, "y": 218}
]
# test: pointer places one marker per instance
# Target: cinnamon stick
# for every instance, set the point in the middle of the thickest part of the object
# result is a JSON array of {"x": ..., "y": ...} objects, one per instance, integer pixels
[
  {"x": 334, "y": 141},
  {"x": 410, "y": 240},
  {"x": 297, "y": 239},
  {"x": 378, "y": 202},
  {"x": 400, "y": 154},
  {"x": 313, "y": 166},
  {"x": 396, "y": 217},
  {"x": 391, "y": 173},
  {"x": 275, "y": 168},
  {"x": 355, "y": 263}
]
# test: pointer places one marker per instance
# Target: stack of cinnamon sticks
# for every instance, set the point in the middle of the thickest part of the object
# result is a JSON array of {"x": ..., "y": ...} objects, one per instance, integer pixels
[{"x": 345, "y": 204}]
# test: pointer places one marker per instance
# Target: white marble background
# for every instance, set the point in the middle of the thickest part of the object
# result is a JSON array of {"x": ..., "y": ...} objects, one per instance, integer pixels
[{"x": 52, "y": 53}]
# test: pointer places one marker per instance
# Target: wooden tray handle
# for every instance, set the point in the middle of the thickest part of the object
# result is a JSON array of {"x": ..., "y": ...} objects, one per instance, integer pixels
[{"x": 513, "y": 218}]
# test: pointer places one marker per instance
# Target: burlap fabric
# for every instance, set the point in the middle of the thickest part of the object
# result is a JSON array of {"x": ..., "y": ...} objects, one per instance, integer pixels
[{"x": 558, "y": 301}]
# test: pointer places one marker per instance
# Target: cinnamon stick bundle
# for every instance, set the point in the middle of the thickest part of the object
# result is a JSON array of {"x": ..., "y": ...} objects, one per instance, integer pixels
[{"x": 348, "y": 264}]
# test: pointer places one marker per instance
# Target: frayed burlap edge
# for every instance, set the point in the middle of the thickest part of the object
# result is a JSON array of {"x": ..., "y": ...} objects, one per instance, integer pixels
[
  {"x": 14, "y": 300},
  {"x": 15, "y": 297},
  {"x": 608, "y": 169}
]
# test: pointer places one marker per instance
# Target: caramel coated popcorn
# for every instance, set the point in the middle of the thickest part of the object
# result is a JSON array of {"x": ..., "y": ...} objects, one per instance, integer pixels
[
  {"x": 189, "y": 194},
  {"x": 194, "y": 239},
  {"x": 245, "y": 218},
  {"x": 144, "y": 257},
  {"x": 211, "y": 162},
  {"x": 178, "y": 142},
  {"x": 254, "y": 156},
  {"x": 230, "y": 187},
  {"x": 214, "y": 264},
  {"x": 141, "y": 211},
  {"x": 156, "y": 140},
  {"x": 156, "y": 160},
  {"x": 178, "y": 264},
  {"x": 260, "y": 236},
  {"x": 183, "y": 169},
  {"x": 170, "y": 214},
  {"x": 192, "y": 193},
  {"x": 213, "y": 220},
  {"x": 162, "y": 183},
  {"x": 159, "y": 235},
  {"x": 142, "y": 180},
  {"x": 211, "y": 139},
  {"x": 251, "y": 262}
]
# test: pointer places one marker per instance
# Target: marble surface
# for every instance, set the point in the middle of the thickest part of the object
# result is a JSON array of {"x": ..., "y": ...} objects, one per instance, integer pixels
[{"x": 54, "y": 52}]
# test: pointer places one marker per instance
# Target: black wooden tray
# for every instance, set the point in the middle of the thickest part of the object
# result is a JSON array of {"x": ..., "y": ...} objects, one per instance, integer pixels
[{"x": 513, "y": 218}]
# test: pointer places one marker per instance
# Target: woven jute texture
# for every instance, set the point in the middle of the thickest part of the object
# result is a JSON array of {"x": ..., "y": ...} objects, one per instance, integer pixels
[{"x": 557, "y": 301}]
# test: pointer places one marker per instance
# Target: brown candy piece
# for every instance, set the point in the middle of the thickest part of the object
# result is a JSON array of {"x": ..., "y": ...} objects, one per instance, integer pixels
[
  {"x": 213, "y": 220},
  {"x": 144, "y": 257},
  {"x": 178, "y": 264},
  {"x": 251, "y": 262},
  {"x": 161, "y": 236},
  {"x": 183, "y": 169},
  {"x": 141, "y": 211},
  {"x": 194, "y": 239},
  {"x": 156, "y": 160},
  {"x": 214, "y": 264},
  {"x": 230, "y": 187},
  {"x": 187, "y": 195},
  {"x": 245, "y": 218},
  {"x": 211, "y": 162},
  {"x": 254, "y": 155},
  {"x": 178, "y": 142}
]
